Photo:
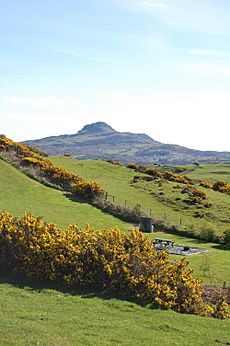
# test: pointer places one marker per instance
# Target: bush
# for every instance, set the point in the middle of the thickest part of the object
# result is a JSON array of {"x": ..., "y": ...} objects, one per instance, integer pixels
[
  {"x": 126, "y": 263},
  {"x": 221, "y": 309},
  {"x": 226, "y": 238},
  {"x": 206, "y": 184},
  {"x": 208, "y": 232},
  {"x": 222, "y": 186}
]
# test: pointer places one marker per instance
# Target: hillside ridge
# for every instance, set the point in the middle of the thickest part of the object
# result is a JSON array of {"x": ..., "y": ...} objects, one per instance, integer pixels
[{"x": 100, "y": 141}]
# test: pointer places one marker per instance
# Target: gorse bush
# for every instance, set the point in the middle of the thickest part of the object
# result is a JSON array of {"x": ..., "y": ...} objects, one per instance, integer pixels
[
  {"x": 20, "y": 149},
  {"x": 222, "y": 186},
  {"x": 167, "y": 175},
  {"x": 196, "y": 196},
  {"x": 206, "y": 184},
  {"x": 219, "y": 185},
  {"x": 125, "y": 263}
]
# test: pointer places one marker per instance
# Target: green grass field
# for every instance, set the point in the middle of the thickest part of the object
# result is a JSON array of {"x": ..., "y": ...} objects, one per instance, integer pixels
[
  {"x": 20, "y": 193},
  {"x": 39, "y": 315},
  {"x": 212, "y": 267},
  {"x": 212, "y": 172},
  {"x": 162, "y": 201},
  {"x": 32, "y": 314}
]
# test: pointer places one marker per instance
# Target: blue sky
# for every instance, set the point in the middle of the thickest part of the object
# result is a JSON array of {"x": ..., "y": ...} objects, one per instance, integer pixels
[{"x": 158, "y": 67}]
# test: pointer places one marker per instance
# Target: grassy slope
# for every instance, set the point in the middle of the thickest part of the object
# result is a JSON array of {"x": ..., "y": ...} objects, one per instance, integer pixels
[
  {"x": 213, "y": 172},
  {"x": 211, "y": 267},
  {"x": 44, "y": 316},
  {"x": 116, "y": 180},
  {"x": 35, "y": 316},
  {"x": 20, "y": 193}
]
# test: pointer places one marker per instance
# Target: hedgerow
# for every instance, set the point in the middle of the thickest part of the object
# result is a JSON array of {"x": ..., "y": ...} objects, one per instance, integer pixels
[{"x": 122, "y": 262}]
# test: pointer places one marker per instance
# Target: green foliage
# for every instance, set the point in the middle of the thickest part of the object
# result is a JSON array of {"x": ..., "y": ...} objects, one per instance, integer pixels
[
  {"x": 208, "y": 232},
  {"x": 221, "y": 310},
  {"x": 226, "y": 238},
  {"x": 222, "y": 186}
]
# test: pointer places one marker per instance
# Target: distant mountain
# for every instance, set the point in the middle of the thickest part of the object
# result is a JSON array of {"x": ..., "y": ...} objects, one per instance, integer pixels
[{"x": 101, "y": 141}]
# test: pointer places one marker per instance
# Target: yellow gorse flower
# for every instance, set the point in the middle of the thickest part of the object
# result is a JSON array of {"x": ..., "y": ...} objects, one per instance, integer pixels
[{"x": 125, "y": 262}]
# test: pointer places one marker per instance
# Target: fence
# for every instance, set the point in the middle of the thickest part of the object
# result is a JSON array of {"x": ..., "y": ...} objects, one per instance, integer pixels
[{"x": 149, "y": 212}]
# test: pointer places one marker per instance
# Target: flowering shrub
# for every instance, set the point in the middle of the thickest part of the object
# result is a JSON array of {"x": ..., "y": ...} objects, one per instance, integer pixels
[
  {"x": 222, "y": 186},
  {"x": 221, "y": 310},
  {"x": 168, "y": 175},
  {"x": 113, "y": 260},
  {"x": 88, "y": 189},
  {"x": 219, "y": 185},
  {"x": 142, "y": 169},
  {"x": 21, "y": 149},
  {"x": 196, "y": 196},
  {"x": 206, "y": 184}
]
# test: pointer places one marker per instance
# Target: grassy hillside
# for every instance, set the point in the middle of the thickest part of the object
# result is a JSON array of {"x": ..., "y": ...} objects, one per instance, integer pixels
[
  {"x": 32, "y": 314},
  {"x": 212, "y": 172},
  {"x": 163, "y": 201},
  {"x": 212, "y": 267},
  {"x": 20, "y": 193},
  {"x": 36, "y": 315}
]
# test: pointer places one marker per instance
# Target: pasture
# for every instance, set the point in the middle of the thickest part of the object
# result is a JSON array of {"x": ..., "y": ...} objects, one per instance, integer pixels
[
  {"x": 20, "y": 193},
  {"x": 33, "y": 313},
  {"x": 163, "y": 201},
  {"x": 36, "y": 314}
]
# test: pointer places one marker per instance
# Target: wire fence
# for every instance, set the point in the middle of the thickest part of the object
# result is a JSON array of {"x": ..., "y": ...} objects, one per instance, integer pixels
[{"x": 149, "y": 212}]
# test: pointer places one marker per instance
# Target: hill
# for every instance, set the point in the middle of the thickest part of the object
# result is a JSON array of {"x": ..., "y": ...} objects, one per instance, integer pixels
[
  {"x": 20, "y": 193},
  {"x": 165, "y": 201},
  {"x": 41, "y": 313},
  {"x": 101, "y": 141}
]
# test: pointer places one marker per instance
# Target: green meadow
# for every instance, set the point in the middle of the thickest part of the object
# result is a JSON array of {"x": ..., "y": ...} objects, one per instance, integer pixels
[
  {"x": 41, "y": 314},
  {"x": 20, "y": 193},
  {"x": 164, "y": 201}
]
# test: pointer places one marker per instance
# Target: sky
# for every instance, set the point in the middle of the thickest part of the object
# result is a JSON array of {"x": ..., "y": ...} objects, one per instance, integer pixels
[{"x": 160, "y": 67}]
